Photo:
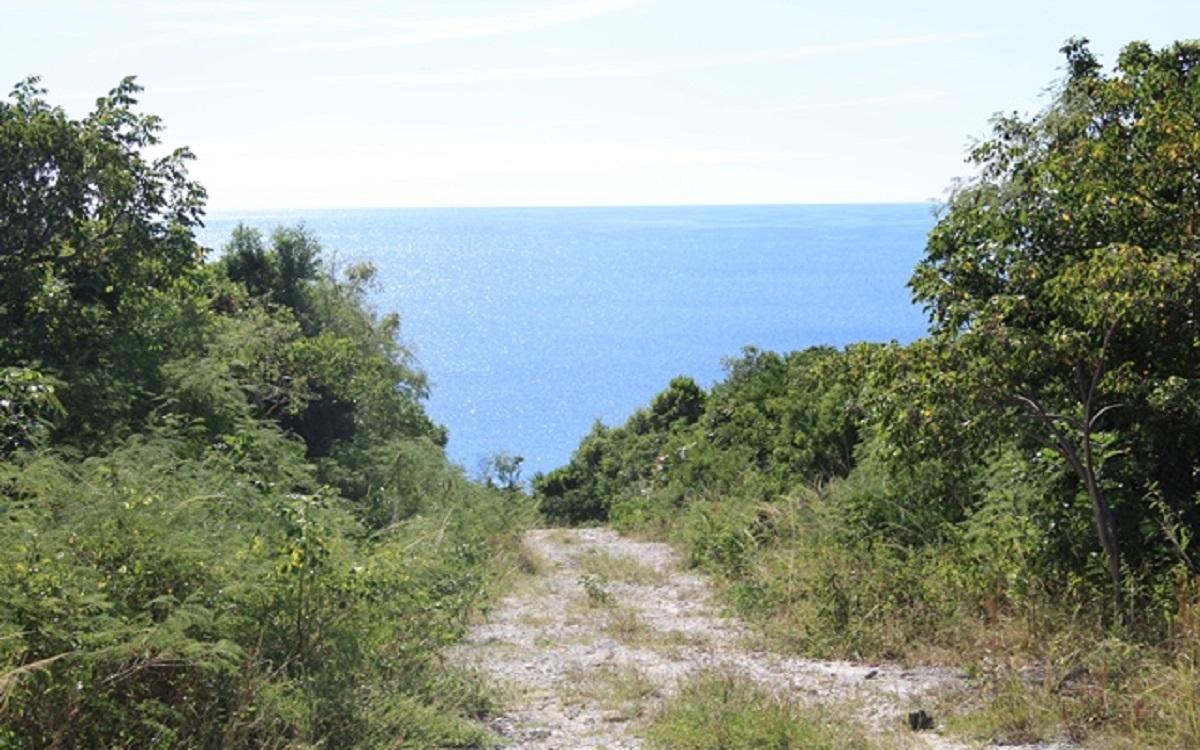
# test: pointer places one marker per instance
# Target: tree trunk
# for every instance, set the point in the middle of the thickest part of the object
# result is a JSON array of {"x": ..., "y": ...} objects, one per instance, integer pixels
[
  {"x": 1106, "y": 528},
  {"x": 1085, "y": 469}
]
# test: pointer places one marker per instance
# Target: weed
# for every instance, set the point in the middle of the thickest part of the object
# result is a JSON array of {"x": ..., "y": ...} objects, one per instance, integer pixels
[{"x": 596, "y": 588}]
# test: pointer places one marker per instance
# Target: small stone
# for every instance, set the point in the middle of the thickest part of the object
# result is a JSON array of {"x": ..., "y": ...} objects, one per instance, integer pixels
[{"x": 919, "y": 721}]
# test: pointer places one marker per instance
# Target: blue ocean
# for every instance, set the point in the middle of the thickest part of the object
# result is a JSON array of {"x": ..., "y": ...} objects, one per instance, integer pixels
[{"x": 533, "y": 323}]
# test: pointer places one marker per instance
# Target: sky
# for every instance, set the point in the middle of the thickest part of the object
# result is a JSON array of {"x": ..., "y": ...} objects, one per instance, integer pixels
[{"x": 371, "y": 103}]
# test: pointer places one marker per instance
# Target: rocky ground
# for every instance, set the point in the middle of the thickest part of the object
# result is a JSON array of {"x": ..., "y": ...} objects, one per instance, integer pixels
[{"x": 604, "y": 628}]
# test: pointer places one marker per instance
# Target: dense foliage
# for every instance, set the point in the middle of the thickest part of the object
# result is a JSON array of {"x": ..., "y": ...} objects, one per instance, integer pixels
[
  {"x": 225, "y": 518},
  {"x": 1067, "y": 272},
  {"x": 1030, "y": 468}
]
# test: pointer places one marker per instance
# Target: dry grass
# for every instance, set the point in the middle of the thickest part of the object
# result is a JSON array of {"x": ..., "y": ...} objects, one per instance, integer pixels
[
  {"x": 530, "y": 561},
  {"x": 627, "y": 626},
  {"x": 680, "y": 639},
  {"x": 621, "y": 568},
  {"x": 716, "y": 711},
  {"x": 624, "y": 624},
  {"x": 537, "y": 620},
  {"x": 562, "y": 536},
  {"x": 1103, "y": 692},
  {"x": 624, "y": 692},
  {"x": 524, "y": 571}
]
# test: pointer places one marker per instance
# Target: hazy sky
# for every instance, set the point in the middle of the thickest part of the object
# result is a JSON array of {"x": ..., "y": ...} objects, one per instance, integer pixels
[{"x": 579, "y": 102}]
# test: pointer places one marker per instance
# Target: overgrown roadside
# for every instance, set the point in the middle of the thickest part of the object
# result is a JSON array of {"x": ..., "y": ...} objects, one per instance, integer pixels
[{"x": 592, "y": 647}]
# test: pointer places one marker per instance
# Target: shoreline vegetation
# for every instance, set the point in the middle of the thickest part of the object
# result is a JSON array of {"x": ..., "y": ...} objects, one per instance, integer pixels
[
  {"x": 1015, "y": 493},
  {"x": 226, "y": 519}
]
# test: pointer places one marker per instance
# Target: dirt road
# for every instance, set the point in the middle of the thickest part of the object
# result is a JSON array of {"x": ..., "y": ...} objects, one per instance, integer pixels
[{"x": 604, "y": 628}]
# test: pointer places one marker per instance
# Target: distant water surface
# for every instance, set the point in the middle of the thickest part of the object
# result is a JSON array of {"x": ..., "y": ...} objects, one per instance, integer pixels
[{"x": 534, "y": 322}]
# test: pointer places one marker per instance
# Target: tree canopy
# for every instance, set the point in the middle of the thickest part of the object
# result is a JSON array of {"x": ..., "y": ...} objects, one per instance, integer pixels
[
  {"x": 1067, "y": 273},
  {"x": 95, "y": 244}
]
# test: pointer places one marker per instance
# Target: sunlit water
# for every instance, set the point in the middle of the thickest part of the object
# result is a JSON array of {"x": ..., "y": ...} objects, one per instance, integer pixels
[{"x": 534, "y": 322}]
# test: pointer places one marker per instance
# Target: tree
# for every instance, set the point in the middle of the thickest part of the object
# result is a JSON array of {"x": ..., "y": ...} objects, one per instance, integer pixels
[
  {"x": 683, "y": 401},
  {"x": 1067, "y": 275},
  {"x": 323, "y": 364},
  {"x": 95, "y": 241},
  {"x": 501, "y": 470},
  {"x": 279, "y": 274}
]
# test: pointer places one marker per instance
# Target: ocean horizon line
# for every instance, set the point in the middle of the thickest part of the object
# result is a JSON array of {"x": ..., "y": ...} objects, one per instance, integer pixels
[{"x": 227, "y": 212}]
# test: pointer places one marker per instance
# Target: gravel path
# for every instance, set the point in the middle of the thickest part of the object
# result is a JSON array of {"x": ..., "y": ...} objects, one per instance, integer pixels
[{"x": 606, "y": 627}]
